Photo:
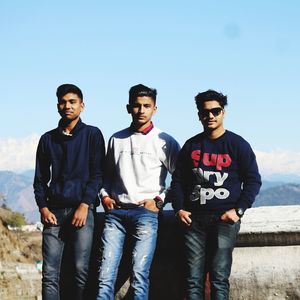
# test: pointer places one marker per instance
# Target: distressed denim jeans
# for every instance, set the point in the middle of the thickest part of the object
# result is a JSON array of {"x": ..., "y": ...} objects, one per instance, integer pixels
[
  {"x": 141, "y": 226},
  {"x": 55, "y": 237},
  {"x": 209, "y": 244}
]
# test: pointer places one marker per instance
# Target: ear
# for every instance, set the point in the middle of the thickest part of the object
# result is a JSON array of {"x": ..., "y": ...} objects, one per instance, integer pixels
[
  {"x": 199, "y": 116},
  {"x": 155, "y": 110},
  {"x": 128, "y": 107},
  {"x": 82, "y": 106}
]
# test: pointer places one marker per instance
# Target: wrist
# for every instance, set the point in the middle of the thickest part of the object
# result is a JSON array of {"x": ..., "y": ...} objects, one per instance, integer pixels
[
  {"x": 178, "y": 212},
  {"x": 158, "y": 202},
  {"x": 84, "y": 205},
  {"x": 43, "y": 209},
  {"x": 105, "y": 200},
  {"x": 240, "y": 212}
]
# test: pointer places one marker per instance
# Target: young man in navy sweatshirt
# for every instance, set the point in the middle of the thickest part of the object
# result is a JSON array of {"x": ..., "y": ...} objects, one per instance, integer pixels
[
  {"x": 216, "y": 179},
  {"x": 68, "y": 177}
]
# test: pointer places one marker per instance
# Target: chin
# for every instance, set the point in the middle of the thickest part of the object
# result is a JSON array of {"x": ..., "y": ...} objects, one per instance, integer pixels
[{"x": 140, "y": 123}]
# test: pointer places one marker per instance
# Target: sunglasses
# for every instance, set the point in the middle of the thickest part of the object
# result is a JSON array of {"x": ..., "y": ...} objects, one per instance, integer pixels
[{"x": 215, "y": 111}]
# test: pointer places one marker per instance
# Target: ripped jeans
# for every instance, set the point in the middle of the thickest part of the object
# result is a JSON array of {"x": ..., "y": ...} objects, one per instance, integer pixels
[{"x": 141, "y": 225}]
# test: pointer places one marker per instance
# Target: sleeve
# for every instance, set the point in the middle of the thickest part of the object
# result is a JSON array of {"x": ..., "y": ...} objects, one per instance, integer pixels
[
  {"x": 42, "y": 174},
  {"x": 109, "y": 171},
  {"x": 96, "y": 168},
  {"x": 251, "y": 180},
  {"x": 176, "y": 194},
  {"x": 171, "y": 151},
  {"x": 172, "y": 154}
]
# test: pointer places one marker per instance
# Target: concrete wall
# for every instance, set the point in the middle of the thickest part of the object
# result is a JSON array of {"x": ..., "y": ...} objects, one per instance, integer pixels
[
  {"x": 266, "y": 263},
  {"x": 19, "y": 282},
  {"x": 266, "y": 273}
]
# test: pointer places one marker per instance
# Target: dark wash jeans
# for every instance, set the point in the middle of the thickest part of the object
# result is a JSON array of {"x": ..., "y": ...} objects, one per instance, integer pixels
[
  {"x": 55, "y": 238},
  {"x": 209, "y": 243}
]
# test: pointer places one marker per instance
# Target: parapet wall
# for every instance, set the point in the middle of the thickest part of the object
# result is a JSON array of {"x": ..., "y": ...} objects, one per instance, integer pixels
[{"x": 266, "y": 261}]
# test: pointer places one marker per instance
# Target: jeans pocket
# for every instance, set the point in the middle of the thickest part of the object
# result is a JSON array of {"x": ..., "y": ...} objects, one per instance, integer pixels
[
  {"x": 149, "y": 210},
  {"x": 109, "y": 211}
]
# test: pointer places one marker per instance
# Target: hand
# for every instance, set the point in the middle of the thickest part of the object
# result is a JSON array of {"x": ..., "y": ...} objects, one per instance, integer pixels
[
  {"x": 149, "y": 204},
  {"x": 184, "y": 217},
  {"x": 47, "y": 216},
  {"x": 230, "y": 216},
  {"x": 80, "y": 215},
  {"x": 108, "y": 203}
]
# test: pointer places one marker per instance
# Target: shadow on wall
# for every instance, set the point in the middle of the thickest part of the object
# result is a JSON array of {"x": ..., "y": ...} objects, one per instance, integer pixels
[
  {"x": 167, "y": 271},
  {"x": 258, "y": 272}
]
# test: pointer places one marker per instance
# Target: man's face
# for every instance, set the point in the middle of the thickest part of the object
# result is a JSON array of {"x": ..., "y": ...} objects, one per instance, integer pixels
[
  {"x": 142, "y": 111},
  {"x": 70, "y": 106},
  {"x": 211, "y": 115}
]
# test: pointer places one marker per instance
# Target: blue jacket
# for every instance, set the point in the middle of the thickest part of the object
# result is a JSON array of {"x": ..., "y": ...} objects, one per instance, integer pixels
[
  {"x": 69, "y": 169},
  {"x": 215, "y": 175}
]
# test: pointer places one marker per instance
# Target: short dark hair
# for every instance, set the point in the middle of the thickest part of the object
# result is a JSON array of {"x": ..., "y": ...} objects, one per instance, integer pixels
[
  {"x": 210, "y": 95},
  {"x": 68, "y": 88},
  {"x": 141, "y": 90}
]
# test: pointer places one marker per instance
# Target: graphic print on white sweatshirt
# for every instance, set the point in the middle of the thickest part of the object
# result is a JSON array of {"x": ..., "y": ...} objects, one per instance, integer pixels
[{"x": 217, "y": 178}]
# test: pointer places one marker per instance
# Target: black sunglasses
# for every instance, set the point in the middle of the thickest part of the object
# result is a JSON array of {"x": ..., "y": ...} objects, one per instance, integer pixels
[{"x": 215, "y": 111}]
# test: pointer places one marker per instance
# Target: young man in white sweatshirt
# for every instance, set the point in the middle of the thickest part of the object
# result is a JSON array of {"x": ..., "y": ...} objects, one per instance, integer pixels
[{"x": 137, "y": 162}]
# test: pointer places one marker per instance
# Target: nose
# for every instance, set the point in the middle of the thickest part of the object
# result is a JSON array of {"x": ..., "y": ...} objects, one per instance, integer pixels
[
  {"x": 67, "y": 105},
  {"x": 210, "y": 115},
  {"x": 141, "y": 109}
]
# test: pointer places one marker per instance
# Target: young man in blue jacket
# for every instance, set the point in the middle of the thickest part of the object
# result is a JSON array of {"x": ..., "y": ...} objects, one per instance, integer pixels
[
  {"x": 68, "y": 177},
  {"x": 216, "y": 179}
]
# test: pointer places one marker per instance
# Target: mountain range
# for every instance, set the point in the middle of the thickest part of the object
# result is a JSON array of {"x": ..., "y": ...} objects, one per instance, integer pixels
[{"x": 17, "y": 191}]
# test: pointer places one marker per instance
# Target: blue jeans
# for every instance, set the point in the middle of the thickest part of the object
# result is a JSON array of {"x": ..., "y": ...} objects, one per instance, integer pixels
[
  {"x": 141, "y": 224},
  {"x": 209, "y": 243},
  {"x": 55, "y": 237}
]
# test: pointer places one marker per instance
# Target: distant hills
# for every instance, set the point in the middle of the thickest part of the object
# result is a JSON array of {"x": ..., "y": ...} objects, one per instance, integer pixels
[
  {"x": 282, "y": 194},
  {"x": 18, "y": 192}
]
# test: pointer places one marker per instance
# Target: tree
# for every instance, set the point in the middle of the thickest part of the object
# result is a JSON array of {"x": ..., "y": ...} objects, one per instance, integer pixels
[
  {"x": 16, "y": 220},
  {"x": 3, "y": 199}
]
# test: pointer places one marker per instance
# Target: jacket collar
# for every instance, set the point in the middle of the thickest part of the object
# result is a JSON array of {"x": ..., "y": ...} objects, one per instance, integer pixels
[
  {"x": 74, "y": 131},
  {"x": 145, "y": 131}
]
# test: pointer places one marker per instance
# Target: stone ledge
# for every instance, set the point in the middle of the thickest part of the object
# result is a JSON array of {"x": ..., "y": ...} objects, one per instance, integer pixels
[
  {"x": 266, "y": 219},
  {"x": 256, "y": 271}
]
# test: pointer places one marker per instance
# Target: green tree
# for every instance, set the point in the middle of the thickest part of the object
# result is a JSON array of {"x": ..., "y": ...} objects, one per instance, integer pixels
[{"x": 16, "y": 220}]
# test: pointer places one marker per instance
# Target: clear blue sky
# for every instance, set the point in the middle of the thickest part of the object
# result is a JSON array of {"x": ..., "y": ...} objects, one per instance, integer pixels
[{"x": 249, "y": 50}]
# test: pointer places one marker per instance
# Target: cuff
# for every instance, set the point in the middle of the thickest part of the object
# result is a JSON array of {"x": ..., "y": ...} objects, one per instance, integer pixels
[{"x": 158, "y": 198}]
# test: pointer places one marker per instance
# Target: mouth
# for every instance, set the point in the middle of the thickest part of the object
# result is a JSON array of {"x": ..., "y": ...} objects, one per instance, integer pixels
[
  {"x": 67, "y": 112},
  {"x": 210, "y": 123}
]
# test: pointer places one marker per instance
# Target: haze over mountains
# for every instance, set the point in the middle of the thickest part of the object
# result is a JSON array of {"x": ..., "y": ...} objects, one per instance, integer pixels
[{"x": 18, "y": 192}]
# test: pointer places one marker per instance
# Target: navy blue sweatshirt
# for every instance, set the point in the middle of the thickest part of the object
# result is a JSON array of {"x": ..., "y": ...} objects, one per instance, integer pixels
[
  {"x": 215, "y": 175},
  {"x": 69, "y": 169}
]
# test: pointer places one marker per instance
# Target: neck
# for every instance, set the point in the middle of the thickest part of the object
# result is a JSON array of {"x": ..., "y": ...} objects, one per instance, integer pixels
[
  {"x": 140, "y": 128},
  {"x": 68, "y": 125},
  {"x": 214, "y": 134}
]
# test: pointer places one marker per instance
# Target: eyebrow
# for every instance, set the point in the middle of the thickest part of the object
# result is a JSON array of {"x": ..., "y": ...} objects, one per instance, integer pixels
[{"x": 69, "y": 100}]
